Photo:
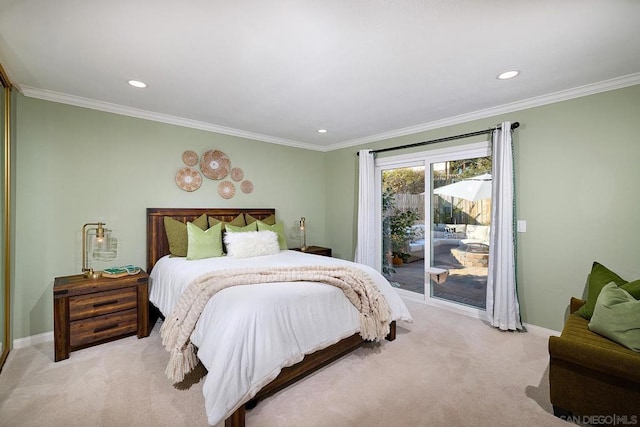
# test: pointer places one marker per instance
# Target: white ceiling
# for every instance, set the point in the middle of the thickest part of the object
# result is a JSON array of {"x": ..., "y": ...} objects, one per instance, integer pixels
[{"x": 277, "y": 71}]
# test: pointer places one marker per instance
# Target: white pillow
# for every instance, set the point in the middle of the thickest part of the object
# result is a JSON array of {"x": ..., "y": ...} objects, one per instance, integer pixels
[{"x": 251, "y": 243}]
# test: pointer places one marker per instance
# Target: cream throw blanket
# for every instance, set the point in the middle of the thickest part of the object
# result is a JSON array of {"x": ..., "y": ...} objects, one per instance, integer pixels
[{"x": 356, "y": 284}]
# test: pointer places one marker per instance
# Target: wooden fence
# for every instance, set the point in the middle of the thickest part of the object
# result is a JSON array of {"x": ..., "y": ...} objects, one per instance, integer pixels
[{"x": 447, "y": 210}]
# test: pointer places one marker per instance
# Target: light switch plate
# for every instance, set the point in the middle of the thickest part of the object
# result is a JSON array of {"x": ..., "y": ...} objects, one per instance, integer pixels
[{"x": 521, "y": 226}]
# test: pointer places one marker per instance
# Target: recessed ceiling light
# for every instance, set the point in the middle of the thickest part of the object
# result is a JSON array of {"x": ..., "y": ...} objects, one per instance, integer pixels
[
  {"x": 322, "y": 131},
  {"x": 137, "y": 83},
  {"x": 508, "y": 74}
]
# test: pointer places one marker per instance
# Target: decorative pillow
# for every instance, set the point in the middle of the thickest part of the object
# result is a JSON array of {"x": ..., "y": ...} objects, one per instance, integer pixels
[
  {"x": 251, "y": 244},
  {"x": 617, "y": 316},
  {"x": 204, "y": 244},
  {"x": 237, "y": 229},
  {"x": 237, "y": 221},
  {"x": 271, "y": 219},
  {"x": 177, "y": 233},
  {"x": 633, "y": 288},
  {"x": 276, "y": 228},
  {"x": 598, "y": 278},
  {"x": 418, "y": 231}
]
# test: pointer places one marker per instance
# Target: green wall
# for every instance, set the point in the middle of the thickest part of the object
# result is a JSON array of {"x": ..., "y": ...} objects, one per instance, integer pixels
[
  {"x": 76, "y": 165},
  {"x": 576, "y": 180}
]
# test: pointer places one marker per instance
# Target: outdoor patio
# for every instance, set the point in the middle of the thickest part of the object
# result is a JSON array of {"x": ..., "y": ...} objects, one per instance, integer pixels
[{"x": 465, "y": 285}]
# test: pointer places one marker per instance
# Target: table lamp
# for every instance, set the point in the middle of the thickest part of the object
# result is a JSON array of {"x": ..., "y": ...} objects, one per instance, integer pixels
[
  {"x": 99, "y": 227},
  {"x": 304, "y": 235}
]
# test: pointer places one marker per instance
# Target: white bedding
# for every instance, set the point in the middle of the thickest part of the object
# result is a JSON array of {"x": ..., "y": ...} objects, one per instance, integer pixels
[{"x": 247, "y": 334}]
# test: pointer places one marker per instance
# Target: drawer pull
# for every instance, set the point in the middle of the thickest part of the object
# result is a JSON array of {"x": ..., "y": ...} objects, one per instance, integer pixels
[
  {"x": 102, "y": 304},
  {"x": 105, "y": 328}
]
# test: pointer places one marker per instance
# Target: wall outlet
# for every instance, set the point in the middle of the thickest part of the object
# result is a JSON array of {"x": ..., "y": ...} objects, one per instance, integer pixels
[{"x": 521, "y": 226}]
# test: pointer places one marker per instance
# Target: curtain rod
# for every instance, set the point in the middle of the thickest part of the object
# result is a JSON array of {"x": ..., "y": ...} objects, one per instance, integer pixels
[{"x": 514, "y": 125}]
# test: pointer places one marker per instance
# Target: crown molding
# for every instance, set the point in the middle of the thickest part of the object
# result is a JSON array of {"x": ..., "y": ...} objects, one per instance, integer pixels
[
  {"x": 78, "y": 101},
  {"x": 564, "y": 95}
]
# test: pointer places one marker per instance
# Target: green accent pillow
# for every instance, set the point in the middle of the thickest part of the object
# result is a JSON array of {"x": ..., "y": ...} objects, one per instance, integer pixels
[
  {"x": 237, "y": 221},
  {"x": 270, "y": 220},
  {"x": 617, "y": 316},
  {"x": 276, "y": 228},
  {"x": 599, "y": 277},
  {"x": 204, "y": 244},
  {"x": 177, "y": 233},
  {"x": 237, "y": 229},
  {"x": 633, "y": 288}
]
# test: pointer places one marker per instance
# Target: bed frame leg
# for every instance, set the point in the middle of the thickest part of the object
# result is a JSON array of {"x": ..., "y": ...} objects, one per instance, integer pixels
[
  {"x": 392, "y": 331},
  {"x": 236, "y": 419}
]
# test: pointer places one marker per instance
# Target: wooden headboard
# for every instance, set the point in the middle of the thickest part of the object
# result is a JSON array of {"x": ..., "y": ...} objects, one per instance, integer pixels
[{"x": 157, "y": 243}]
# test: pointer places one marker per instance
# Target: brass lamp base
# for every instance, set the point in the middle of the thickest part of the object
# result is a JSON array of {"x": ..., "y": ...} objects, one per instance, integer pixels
[{"x": 91, "y": 274}]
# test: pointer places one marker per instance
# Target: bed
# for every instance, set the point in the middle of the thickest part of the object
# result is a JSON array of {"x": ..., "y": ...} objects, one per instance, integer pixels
[{"x": 276, "y": 365}]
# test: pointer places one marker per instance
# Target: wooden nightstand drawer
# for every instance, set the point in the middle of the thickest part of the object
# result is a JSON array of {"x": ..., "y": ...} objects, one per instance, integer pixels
[
  {"x": 100, "y": 303},
  {"x": 103, "y": 327}
]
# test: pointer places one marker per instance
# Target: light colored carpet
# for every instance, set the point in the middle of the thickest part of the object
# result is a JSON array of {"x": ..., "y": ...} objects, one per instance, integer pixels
[{"x": 443, "y": 370}]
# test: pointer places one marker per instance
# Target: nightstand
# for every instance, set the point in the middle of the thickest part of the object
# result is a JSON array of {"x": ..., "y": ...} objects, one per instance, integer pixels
[
  {"x": 88, "y": 312},
  {"x": 316, "y": 250}
]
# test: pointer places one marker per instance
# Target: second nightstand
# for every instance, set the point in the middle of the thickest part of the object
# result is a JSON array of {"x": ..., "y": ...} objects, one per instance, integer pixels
[
  {"x": 88, "y": 312},
  {"x": 316, "y": 250}
]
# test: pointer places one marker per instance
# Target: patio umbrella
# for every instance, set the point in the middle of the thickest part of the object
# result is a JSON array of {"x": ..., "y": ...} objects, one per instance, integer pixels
[{"x": 473, "y": 189}]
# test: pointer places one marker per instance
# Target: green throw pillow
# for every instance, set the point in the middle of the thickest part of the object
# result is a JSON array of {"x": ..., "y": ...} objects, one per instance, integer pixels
[
  {"x": 633, "y": 288},
  {"x": 237, "y": 221},
  {"x": 204, "y": 244},
  {"x": 276, "y": 228},
  {"x": 270, "y": 220},
  {"x": 617, "y": 316},
  {"x": 598, "y": 278},
  {"x": 177, "y": 233},
  {"x": 238, "y": 229}
]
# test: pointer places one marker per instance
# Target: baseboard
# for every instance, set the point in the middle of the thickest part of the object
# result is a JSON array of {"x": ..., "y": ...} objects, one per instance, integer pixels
[
  {"x": 475, "y": 313},
  {"x": 32, "y": 340},
  {"x": 539, "y": 330}
]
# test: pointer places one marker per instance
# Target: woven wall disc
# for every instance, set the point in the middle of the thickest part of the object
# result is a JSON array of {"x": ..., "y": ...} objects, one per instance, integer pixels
[
  {"x": 237, "y": 174},
  {"x": 214, "y": 164},
  {"x": 246, "y": 187},
  {"x": 188, "y": 179},
  {"x": 190, "y": 158},
  {"x": 226, "y": 189}
]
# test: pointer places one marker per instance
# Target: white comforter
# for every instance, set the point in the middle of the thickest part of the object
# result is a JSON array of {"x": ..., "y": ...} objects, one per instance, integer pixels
[{"x": 247, "y": 334}]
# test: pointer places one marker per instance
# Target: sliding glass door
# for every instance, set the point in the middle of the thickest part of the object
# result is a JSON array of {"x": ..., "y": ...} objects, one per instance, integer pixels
[
  {"x": 435, "y": 213},
  {"x": 460, "y": 223},
  {"x": 403, "y": 226}
]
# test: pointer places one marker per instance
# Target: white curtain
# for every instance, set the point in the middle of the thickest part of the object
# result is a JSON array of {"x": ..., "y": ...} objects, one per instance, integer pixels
[
  {"x": 503, "y": 309},
  {"x": 366, "y": 240}
]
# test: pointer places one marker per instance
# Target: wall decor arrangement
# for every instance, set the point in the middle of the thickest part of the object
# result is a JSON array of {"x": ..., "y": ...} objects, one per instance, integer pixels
[
  {"x": 190, "y": 158},
  {"x": 215, "y": 165},
  {"x": 246, "y": 187},
  {"x": 237, "y": 174},
  {"x": 188, "y": 179},
  {"x": 226, "y": 189}
]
